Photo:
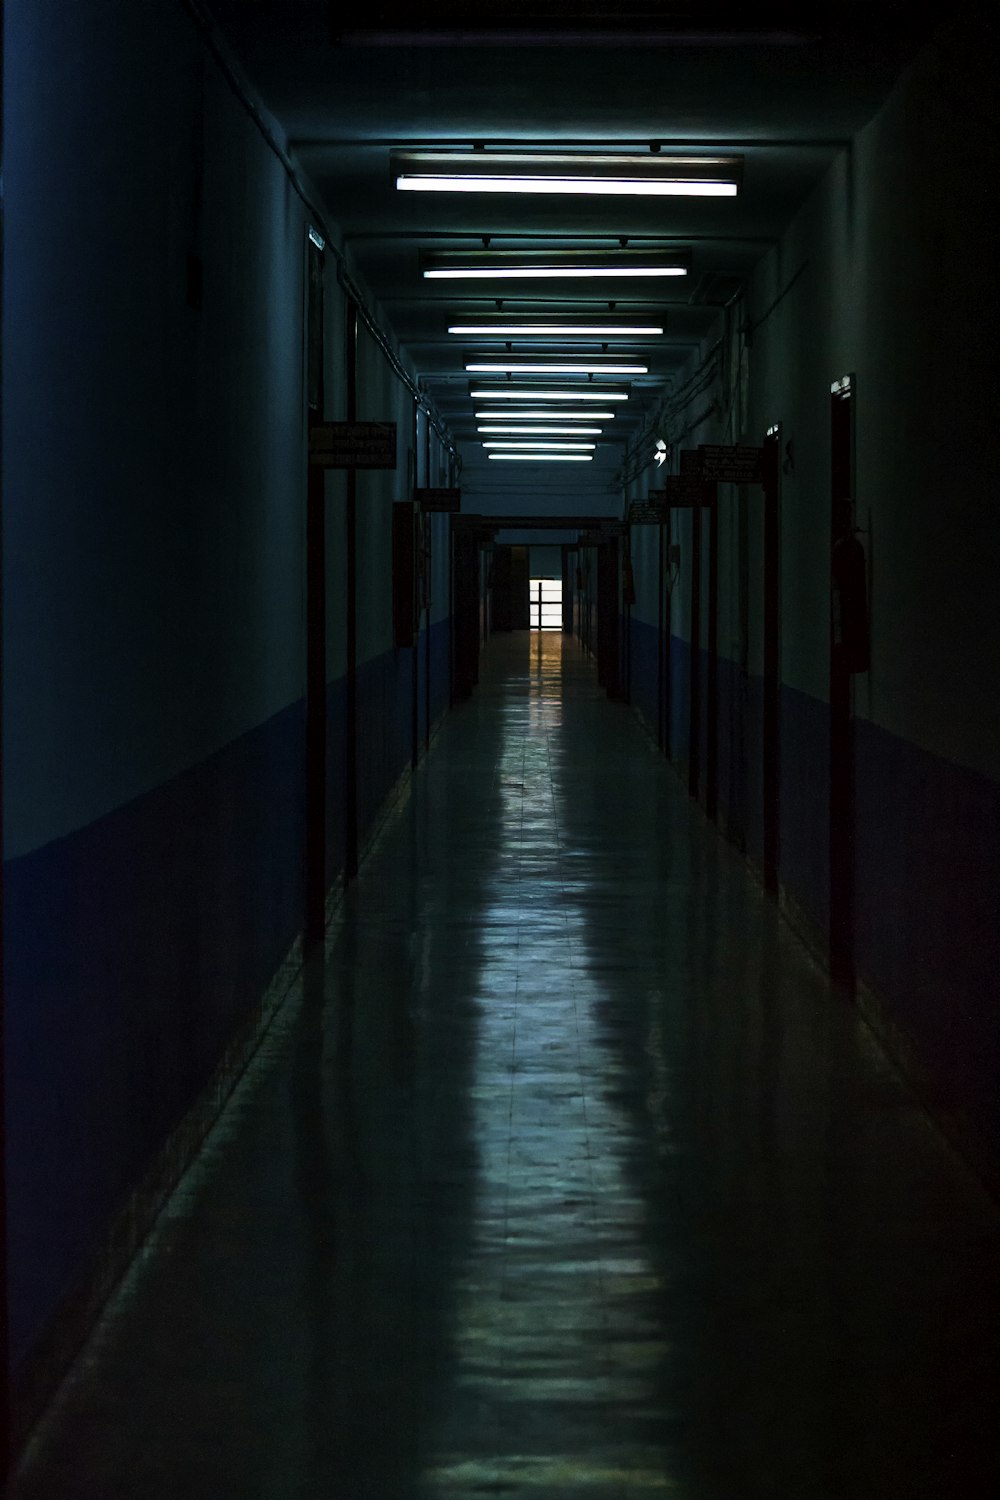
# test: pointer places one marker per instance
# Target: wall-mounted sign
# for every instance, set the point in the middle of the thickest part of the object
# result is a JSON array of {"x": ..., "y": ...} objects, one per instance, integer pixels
[
  {"x": 691, "y": 461},
  {"x": 353, "y": 445},
  {"x": 689, "y": 489},
  {"x": 649, "y": 514},
  {"x": 438, "y": 500},
  {"x": 730, "y": 465}
]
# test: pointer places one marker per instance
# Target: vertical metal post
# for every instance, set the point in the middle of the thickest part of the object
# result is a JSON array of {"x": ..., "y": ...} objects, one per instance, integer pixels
[
  {"x": 428, "y": 543},
  {"x": 694, "y": 722},
  {"x": 315, "y": 833},
  {"x": 626, "y": 645},
  {"x": 842, "y": 774},
  {"x": 659, "y": 637},
  {"x": 351, "y": 666},
  {"x": 416, "y": 522},
  {"x": 712, "y": 685},
  {"x": 668, "y": 666},
  {"x": 315, "y": 704},
  {"x": 451, "y": 611},
  {"x": 772, "y": 617},
  {"x": 4, "y": 1332}
]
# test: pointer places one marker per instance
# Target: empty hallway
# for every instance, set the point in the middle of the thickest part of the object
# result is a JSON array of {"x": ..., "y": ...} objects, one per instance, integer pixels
[
  {"x": 564, "y": 1173},
  {"x": 441, "y": 1057}
]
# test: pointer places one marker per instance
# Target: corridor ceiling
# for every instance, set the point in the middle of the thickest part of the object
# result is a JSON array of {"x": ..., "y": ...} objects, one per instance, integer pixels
[{"x": 782, "y": 86}]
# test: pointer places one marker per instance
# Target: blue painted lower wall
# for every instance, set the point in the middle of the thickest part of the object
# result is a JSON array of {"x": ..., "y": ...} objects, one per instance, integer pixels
[
  {"x": 927, "y": 862},
  {"x": 741, "y": 780},
  {"x": 336, "y": 771},
  {"x": 440, "y": 668},
  {"x": 385, "y": 727},
  {"x": 137, "y": 946},
  {"x": 645, "y": 668},
  {"x": 134, "y": 948},
  {"x": 928, "y": 920},
  {"x": 804, "y": 803},
  {"x": 679, "y": 715}
]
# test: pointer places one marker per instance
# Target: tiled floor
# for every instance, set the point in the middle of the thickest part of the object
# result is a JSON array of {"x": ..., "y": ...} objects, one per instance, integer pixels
[{"x": 568, "y": 1178}]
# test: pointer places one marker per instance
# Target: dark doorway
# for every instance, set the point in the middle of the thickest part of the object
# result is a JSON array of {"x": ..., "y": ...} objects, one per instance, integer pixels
[
  {"x": 500, "y": 589},
  {"x": 465, "y": 565},
  {"x": 519, "y": 589},
  {"x": 569, "y": 561},
  {"x": 607, "y": 617}
]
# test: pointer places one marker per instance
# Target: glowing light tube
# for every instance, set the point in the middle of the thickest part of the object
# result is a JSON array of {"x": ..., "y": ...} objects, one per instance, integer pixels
[
  {"x": 546, "y": 272},
  {"x": 571, "y": 330},
  {"x": 553, "y": 367},
  {"x": 530, "y": 431},
  {"x": 525, "y": 393},
  {"x": 541, "y": 458},
  {"x": 620, "y": 187},
  {"x": 516, "y": 414},
  {"x": 543, "y": 447}
]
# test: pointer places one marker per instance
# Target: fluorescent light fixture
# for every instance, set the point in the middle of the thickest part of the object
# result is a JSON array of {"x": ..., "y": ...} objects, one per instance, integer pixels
[
  {"x": 623, "y": 175},
  {"x": 531, "y": 431},
  {"x": 542, "y": 447},
  {"x": 317, "y": 238},
  {"x": 517, "y": 415},
  {"x": 556, "y": 265},
  {"x": 530, "y": 393},
  {"x": 552, "y": 367},
  {"x": 543, "y": 458},
  {"x": 560, "y": 330}
]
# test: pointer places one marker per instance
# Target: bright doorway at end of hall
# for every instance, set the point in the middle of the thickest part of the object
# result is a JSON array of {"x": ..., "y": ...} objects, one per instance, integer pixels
[
  {"x": 545, "y": 588},
  {"x": 545, "y": 603}
]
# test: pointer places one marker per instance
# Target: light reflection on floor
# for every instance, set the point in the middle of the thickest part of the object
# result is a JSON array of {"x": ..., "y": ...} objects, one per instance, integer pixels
[{"x": 559, "y": 1230}]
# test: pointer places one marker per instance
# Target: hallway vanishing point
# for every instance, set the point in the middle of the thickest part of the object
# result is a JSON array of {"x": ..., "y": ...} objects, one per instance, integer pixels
[{"x": 565, "y": 1175}]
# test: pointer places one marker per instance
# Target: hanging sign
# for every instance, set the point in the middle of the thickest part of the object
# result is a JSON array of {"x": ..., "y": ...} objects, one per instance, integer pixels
[
  {"x": 438, "y": 500},
  {"x": 730, "y": 465},
  {"x": 688, "y": 489},
  {"x": 353, "y": 445},
  {"x": 649, "y": 514}
]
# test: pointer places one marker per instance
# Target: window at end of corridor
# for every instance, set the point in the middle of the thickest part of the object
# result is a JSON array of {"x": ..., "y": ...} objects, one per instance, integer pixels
[{"x": 546, "y": 603}]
